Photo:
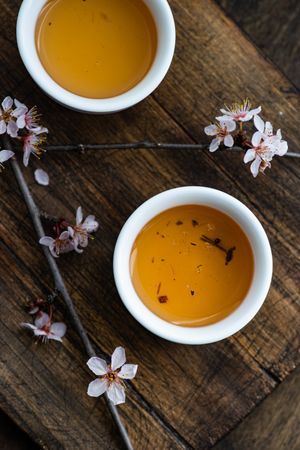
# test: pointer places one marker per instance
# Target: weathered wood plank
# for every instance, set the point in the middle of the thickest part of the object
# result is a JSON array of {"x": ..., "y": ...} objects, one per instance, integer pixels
[
  {"x": 274, "y": 424},
  {"x": 184, "y": 396},
  {"x": 274, "y": 27},
  {"x": 216, "y": 67},
  {"x": 212, "y": 371}
]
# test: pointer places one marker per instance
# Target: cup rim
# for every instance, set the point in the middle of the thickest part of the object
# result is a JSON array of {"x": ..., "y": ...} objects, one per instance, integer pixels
[
  {"x": 241, "y": 214},
  {"x": 25, "y": 31}
]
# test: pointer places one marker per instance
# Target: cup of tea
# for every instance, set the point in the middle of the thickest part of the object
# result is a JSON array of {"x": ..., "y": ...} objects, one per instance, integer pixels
[
  {"x": 193, "y": 265},
  {"x": 96, "y": 56}
]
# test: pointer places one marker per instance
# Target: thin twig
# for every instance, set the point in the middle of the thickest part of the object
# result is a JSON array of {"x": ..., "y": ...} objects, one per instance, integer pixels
[
  {"x": 140, "y": 145},
  {"x": 60, "y": 285}
]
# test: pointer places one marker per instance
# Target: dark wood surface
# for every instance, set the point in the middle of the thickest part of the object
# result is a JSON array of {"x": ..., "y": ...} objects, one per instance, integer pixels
[
  {"x": 273, "y": 25},
  {"x": 272, "y": 425},
  {"x": 184, "y": 397}
]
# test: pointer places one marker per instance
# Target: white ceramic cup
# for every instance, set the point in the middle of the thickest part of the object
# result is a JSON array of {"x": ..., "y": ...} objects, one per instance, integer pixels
[
  {"x": 263, "y": 265},
  {"x": 165, "y": 26}
]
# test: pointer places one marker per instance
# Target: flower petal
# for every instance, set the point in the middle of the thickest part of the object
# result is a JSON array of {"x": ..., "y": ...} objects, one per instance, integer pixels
[
  {"x": 64, "y": 235},
  {"x": 26, "y": 156},
  {"x": 12, "y": 129},
  {"x": 255, "y": 166},
  {"x": 5, "y": 155},
  {"x": 28, "y": 325},
  {"x": 97, "y": 365},
  {"x": 116, "y": 393},
  {"x": 41, "y": 177},
  {"x": 18, "y": 104},
  {"x": 214, "y": 145},
  {"x": 97, "y": 387},
  {"x": 255, "y": 111},
  {"x": 118, "y": 358},
  {"x": 256, "y": 138},
  {"x": 128, "y": 371},
  {"x": 39, "y": 332},
  {"x": 2, "y": 127},
  {"x": 46, "y": 240},
  {"x": 228, "y": 141},
  {"x": 268, "y": 129},
  {"x": 282, "y": 148},
  {"x": 41, "y": 319},
  {"x": 59, "y": 329},
  {"x": 54, "y": 337},
  {"x": 21, "y": 121},
  {"x": 229, "y": 124},
  {"x": 211, "y": 130},
  {"x": 249, "y": 155},
  {"x": 226, "y": 112},
  {"x": 90, "y": 224},
  {"x": 79, "y": 215},
  {"x": 224, "y": 118},
  {"x": 259, "y": 123},
  {"x": 7, "y": 103}
]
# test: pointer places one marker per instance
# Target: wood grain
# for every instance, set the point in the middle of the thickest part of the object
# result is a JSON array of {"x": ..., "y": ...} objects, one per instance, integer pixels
[
  {"x": 274, "y": 424},
  {"x": 184, "y": 397},
  {"x": 273, "y": 25}
]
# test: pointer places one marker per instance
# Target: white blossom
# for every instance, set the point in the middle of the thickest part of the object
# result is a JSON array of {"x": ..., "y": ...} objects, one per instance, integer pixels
[
  {"x": 44, "y": 328},
  {"x": 222, "y": 132},
  {"x": 111, "y": 376},
  {"x": 7, "y": 123},
  {"x": 239, "y": 112},
  {"x": 62, "y": 244},
  {"x": 80, "y": 232}
]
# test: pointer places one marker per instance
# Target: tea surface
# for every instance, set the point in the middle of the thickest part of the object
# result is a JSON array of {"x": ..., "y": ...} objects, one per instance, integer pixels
[
  {"x": 192, "y": 265},
  {"x": 96, "y": 48}
]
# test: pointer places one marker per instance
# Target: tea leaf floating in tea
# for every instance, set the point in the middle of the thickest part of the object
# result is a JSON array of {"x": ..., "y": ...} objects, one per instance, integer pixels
[
  {"x": 183, "y": 280},
  {"x": 216, "y": 242}
]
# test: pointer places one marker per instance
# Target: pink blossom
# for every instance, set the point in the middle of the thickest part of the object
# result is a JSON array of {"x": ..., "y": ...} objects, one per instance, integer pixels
[
  {"x": 111, "y": 376},
  {"x": 4, "y": 156},
  {"x": 32, "y": 144},
  {"x": 7, "y": 122},
  {"x": 265, "y": 131},
  {"x": 239, "y": 112},
  {"x": 62, "y": 244},
  {"x": 81, "y": 231},
  {"x": 26, "y": 118},
  {"x": 261, "y": 154},
  {"x": 222, "y": 132},
  {"x": 44, "y": 328},
  {"x": 265, "y": 145}
]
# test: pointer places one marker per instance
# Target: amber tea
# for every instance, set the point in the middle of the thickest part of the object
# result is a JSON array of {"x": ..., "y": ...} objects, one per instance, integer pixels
[
  {"x": 192, "y": 265},
  {"x": 96, "y": 48}
]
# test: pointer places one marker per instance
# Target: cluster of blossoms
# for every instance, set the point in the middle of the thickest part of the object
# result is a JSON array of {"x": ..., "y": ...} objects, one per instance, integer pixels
[
  {"x": 22, "y": 124},
  {"x": 111, "y": 376},
  {"x": 264, "y": 144},
  {"x": 43, "y": 327},
  {"x": 71, "y": 237}
]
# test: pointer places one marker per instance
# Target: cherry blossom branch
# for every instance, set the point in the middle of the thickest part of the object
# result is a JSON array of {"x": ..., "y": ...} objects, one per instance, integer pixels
[
  {"x": 139, "y": 145},
  {"x": 59, "y": 283}
]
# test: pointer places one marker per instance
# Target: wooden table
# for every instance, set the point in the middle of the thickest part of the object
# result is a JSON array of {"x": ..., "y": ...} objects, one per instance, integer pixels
[{"x": 184, "y": 397}]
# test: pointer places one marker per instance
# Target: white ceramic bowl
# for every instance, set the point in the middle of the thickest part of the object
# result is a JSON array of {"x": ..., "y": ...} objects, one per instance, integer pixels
[
  {"x": 194, "y": 195},
  {"x": 163, "y": 17}
]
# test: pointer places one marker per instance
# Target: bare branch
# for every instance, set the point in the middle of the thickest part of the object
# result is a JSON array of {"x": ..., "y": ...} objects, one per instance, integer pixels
[
  {"x": 141, "y": 145},
  {"x": 59, "y": 282}
]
